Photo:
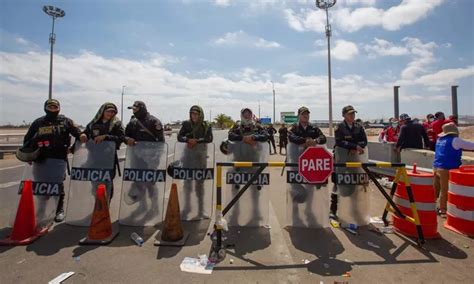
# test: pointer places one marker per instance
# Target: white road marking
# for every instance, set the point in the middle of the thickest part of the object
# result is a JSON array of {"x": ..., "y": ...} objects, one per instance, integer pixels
[
  {"x": 12, "y": 167},
  {"x": 9, "y": 184}
]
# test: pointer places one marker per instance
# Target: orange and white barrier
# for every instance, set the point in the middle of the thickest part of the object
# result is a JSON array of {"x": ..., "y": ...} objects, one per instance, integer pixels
[
  {"x": 460, "y": 215},
  {"x": 425, "y": 201}
]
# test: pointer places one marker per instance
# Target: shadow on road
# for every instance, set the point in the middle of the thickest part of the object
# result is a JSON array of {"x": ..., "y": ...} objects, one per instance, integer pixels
[
  {"x": 324, "y": 245},
  {"x": 62, "y": 236}
]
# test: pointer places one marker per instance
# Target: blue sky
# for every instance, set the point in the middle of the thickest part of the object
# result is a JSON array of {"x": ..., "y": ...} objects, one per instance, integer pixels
[{"x": 223, "y": 55}]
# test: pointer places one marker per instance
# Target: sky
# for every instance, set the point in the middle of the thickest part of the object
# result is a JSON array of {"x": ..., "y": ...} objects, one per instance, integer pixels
[{"x": 224, "y": 54}]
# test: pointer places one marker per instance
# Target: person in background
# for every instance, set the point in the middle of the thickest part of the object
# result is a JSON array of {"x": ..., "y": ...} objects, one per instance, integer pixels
[
  {"x": 412, "y": 135},
  {"x": 448, "y": 153},
  {"x": 427, "y": 125},
  {"x": 271, "y": 138},
  {"x": 390, "y": 134},
  {"x": 453, "y": 118},
  {"x": 283, "y": 131},
  {"x": 429, "y": 120},
  {"x": 437, "y": 125}
]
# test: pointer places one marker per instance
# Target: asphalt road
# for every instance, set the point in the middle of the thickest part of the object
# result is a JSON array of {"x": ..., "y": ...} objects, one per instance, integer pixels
[{"x": 276, "y": 254}]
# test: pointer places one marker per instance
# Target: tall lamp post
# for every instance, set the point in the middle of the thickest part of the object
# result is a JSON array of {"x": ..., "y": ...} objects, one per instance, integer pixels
[
  {"x": 273, "y": 87},
  {"x": 121, "y": 104},
  {"x": 54, "y": 12},
  {"x": 325, "y": 5}
]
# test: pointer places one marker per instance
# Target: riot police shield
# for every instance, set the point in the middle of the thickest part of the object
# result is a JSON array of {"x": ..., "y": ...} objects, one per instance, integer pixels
[
  {"x": 92, "y": 165},
  {"x": 193, "y": 173},
  {"x": 252, "y": 208},
  {"x": 352, "y": 188},
  {"x": 47, "y": 177},
  {"x": 143, "y": 184},
  {"x": 306, "y": 204}
]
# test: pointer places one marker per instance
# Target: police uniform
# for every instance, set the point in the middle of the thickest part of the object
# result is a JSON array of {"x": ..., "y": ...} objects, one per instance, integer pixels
[
  {"x": 143, "y": 126},
  {"x": 349, "y": 137},
  {"x": 200, "y": 131},
  {"x": 52, "y": 136},
  {"x": 241, "y": 129},
  {"x": 112, "y": 129},
  {"x": 298, "y": 134},
  {"x": 195, "y": 158},
  {"x": 51, "y": 133}
]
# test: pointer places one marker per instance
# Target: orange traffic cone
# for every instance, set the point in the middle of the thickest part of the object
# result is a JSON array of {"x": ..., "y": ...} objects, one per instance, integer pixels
[
  {"x": 101, "y": 231},
  {"x": 172, "y": 233},
  {"x": 24, "y": 229}
]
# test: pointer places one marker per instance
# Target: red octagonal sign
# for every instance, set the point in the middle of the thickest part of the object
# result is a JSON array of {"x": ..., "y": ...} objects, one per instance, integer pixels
[{"x": 315, "y": 165}]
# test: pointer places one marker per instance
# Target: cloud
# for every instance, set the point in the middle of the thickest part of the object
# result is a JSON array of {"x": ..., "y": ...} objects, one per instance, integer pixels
[
  {"x": 351, "y": 19},
  {"x": 381, "y": 47},
  {"x": 445, "y": 77},
  {"x": 342, "y": 50},
  {"x": 422, "y": 54},
  {"x": 84, "y": 81},
  {"x": 241, "y": 38},
  {"x": 418, "y": 70},
  {"x": 223, "y": 3},
  {"x": 306, "y": 20}
]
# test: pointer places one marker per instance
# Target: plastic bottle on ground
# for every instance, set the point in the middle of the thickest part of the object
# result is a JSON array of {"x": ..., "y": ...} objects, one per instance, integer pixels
[{"x": 137, "y": 239}]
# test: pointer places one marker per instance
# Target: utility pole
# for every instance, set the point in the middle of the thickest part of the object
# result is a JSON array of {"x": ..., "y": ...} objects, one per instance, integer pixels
[
  {"x": 121, "y": 105},
  {"x": 273, "y": 87}
]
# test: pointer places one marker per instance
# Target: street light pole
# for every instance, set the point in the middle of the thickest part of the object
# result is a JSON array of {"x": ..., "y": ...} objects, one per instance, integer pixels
[
  {"x": 326, "y": 4},
  {"x": 258, "y": 109},
  {"x": 273, "y": 87},
  {"x": 54, "y": 13},
  {"x": 121, "y": 105}
]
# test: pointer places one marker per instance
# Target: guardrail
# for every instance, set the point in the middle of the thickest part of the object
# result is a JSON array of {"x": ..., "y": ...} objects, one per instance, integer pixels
[{"x": 10, "y": 148}]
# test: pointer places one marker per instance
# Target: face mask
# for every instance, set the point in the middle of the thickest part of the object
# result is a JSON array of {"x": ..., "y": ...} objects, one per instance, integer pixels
[
  {"x": 430, "y": 120},
  {"x": 51, "y": 115},
  {"x": 394, "y": 125}
]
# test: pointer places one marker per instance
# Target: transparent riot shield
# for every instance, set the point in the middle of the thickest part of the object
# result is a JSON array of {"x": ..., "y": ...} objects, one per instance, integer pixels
[
  {"x": 92, "y": 165},
  {"x": 143, "y": 185},
  {"x": 47, "y": 177},
  {"x": 252, "y": 208},
  {"x": 352, "y": 188},
  {"x": 193, "y": 173},
  {"x": 306, "y": 204}
]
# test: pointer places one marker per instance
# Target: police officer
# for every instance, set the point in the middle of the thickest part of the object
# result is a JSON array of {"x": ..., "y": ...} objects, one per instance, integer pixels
[
  {"x": 196, "y": 133},
  {"x": 105, "y": 126},
  {"x": 305, "y": 133},
  {"x": 247, "y": 130},
  {"x": 195, "y": 130},
  {"x": 349, "y": 135},
  {"x": 143, "y": 126},
  {"x": 52, "y": 134}
]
